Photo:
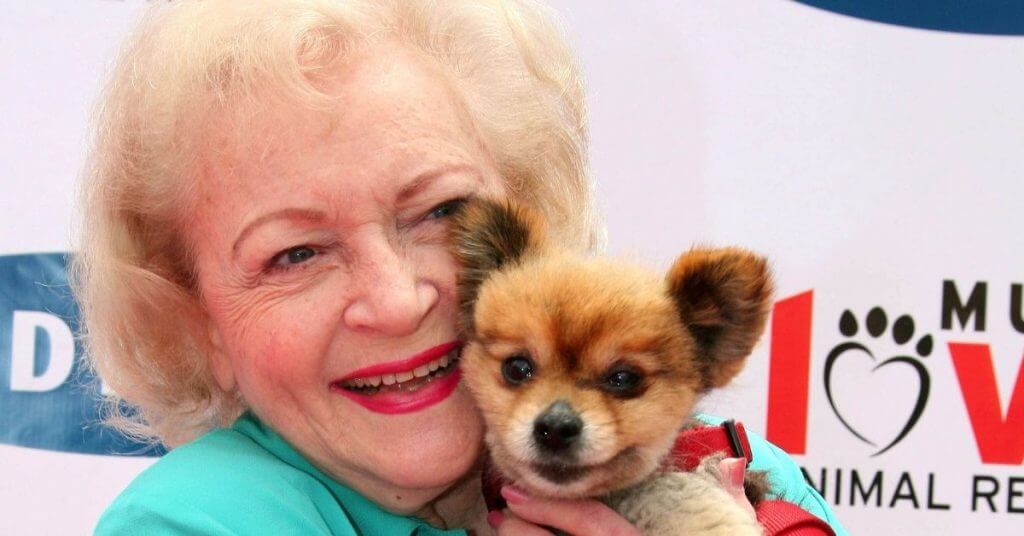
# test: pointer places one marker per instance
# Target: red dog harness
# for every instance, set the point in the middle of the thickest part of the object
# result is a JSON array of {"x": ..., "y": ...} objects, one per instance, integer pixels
[{"x": 778, "y": 517}]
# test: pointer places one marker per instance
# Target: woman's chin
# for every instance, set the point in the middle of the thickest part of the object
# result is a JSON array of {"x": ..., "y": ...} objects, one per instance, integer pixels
[
  {"x": 433, "y": 449},
  {"x": 429, "y": 476}
]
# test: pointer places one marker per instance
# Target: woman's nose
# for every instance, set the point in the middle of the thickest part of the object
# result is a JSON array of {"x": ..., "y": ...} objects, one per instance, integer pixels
[{"x": 387, "y": 295}]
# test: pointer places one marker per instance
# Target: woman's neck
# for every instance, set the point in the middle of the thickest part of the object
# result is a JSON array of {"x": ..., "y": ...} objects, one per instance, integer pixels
[{"x": 460, "y": 506}]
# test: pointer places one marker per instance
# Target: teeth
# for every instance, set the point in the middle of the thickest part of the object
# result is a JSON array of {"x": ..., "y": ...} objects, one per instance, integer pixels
[{"x": 399, "y": 377}]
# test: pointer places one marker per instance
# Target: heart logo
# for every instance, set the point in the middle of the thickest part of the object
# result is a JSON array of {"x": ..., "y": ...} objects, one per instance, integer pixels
[{"x": 877, "y": 324}]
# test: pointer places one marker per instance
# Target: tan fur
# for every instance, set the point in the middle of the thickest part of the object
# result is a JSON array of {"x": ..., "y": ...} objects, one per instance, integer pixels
[
  {"x": 677, "y": 503},
  {"x": 579, "y": 320},
  {"x": 724, "y": 294}
]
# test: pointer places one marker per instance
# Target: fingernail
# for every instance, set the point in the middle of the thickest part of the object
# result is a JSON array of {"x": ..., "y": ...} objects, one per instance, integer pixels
[
  {"x": 494, "y": 518},
  {"x": 514, "y": 495}
]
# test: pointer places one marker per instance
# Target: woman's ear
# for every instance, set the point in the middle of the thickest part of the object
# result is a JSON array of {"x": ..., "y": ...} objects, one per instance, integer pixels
[
  {"x": 220, "y": 362},
  {"x": 723, "y": 297},
  {"x": 487, "y": 235}
]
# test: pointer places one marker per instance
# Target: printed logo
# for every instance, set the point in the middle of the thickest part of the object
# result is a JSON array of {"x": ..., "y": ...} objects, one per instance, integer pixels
[
  {"x": 876, "y": 325},
  {"x": 50, "y": 400},
  {"x": 878, "y": 357},
  {"x": 998, "y": 434}
]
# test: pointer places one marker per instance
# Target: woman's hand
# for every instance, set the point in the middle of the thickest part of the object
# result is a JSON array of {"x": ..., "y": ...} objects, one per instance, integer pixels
[{"x": 527, "y": 516}]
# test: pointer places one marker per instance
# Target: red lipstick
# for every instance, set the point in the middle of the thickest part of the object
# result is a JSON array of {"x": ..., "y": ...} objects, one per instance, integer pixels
[
  {"x": 403, "y": 365},
  {"x": 393, "y": 400}
]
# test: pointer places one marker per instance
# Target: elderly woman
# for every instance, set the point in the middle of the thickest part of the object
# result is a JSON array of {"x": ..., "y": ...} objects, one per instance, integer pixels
[{"x": 265, "y": 220}]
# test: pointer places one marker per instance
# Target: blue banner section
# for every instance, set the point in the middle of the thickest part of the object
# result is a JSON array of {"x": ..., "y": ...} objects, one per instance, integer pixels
[
  {"x": 49, "y": 399},
  {"x": 996, "y": 17}
]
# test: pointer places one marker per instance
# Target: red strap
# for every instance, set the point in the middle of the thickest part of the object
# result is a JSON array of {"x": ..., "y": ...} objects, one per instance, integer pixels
[
  {"x": 695, "y": 444},
  {"x": 781, "y": 518}
]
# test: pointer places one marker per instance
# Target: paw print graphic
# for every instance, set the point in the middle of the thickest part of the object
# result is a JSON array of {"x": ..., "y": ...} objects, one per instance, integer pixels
[{"x": 908, "y": 354}]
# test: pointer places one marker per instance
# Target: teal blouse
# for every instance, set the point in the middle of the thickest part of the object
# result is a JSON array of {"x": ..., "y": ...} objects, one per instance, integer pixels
[{"x": 247, "y": 480}]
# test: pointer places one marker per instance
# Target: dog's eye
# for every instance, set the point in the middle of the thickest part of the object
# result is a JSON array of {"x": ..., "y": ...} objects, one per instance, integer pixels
[
  {"x": 517, "y": 369},
  {"x": 622, "y": 381}
]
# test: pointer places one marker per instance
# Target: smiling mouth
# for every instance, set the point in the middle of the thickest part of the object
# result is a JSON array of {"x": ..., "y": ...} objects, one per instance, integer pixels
[{"x": 406, "y": 381}]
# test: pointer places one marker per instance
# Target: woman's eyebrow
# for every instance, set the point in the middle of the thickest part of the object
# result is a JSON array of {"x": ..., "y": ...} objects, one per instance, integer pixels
[
  {"x": 304, "y": 214},
  {"x": 427, "y": 178}
]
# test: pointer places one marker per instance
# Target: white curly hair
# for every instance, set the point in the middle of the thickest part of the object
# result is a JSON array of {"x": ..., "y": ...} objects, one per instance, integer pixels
[{"x": 191, "y": 61}]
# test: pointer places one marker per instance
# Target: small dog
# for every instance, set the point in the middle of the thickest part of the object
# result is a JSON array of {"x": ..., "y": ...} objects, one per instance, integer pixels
[{"x": 586, "y": 369}]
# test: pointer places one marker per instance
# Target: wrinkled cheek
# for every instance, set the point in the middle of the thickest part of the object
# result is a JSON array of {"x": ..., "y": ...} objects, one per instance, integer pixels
[{"x": 272, "y": 371}]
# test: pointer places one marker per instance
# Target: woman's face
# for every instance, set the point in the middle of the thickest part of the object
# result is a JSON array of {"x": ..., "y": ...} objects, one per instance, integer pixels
[{"x": 321, "y": 255}]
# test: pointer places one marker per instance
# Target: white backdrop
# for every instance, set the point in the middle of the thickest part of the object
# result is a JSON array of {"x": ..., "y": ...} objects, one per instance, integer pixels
[{"x": 871, "y": 162}]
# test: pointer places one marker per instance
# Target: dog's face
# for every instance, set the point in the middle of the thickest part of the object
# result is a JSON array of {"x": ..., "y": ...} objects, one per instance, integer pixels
[
  {"x": 582, "y": 373},
  {"x": 584, "y": 369}
]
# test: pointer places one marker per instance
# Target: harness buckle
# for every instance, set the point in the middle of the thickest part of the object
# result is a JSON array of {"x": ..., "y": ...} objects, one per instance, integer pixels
[{"x": 734, "y": 440}]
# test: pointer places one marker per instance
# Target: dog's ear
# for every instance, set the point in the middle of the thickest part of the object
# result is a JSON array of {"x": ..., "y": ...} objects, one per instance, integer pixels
[
  {"x": 723, "y": 297},
  {"x": 487, "y": 235}
]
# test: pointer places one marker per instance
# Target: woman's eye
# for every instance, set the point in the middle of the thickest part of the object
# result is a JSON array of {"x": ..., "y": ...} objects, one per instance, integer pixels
[
  {"x": 296, "y": 255},
  {"x": 446, "y": 209}
]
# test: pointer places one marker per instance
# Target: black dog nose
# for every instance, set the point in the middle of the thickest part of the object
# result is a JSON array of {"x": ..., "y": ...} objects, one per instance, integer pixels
[{"x": 558, "y": 427}]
